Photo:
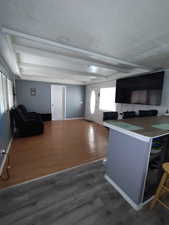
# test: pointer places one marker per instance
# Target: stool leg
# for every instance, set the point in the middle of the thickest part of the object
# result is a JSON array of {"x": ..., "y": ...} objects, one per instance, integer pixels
[{"x": 157, "y": 195}]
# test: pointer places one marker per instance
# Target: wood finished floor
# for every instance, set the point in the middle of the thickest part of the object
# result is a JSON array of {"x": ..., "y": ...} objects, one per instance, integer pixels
[
  {"x": 64, "y": 144},
  {"x": 80, "y": 196}
]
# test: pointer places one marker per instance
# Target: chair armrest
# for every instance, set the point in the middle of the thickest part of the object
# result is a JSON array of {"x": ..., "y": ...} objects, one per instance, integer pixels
[
  {"x": 34, "y": 116},
  {"x": 31, "y": 123}
]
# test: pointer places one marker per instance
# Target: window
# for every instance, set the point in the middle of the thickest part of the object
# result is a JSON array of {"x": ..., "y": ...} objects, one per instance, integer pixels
[
  {"x": 107, "y": 99},
  {"x": 1, "y": 96},
  {"x": 92, "y": 102},
  {"x": 10, "y": 94},
  {"x": 3, "y": 93},
  {"x": 4, "y": 88}
]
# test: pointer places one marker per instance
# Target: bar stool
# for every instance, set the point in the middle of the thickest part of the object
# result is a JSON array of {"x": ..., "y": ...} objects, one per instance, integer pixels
[{"x": 161, "y": 188}]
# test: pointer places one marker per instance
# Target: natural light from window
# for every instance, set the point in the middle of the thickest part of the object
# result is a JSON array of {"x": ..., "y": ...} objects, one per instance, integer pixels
[
  {"x": 1, "y": 96},
  {"x": 3, "y": 93},
  {"x": 10, "y": 94},
  {"x": 6, "y": 94},
  {"x": 107, "y": 99}
]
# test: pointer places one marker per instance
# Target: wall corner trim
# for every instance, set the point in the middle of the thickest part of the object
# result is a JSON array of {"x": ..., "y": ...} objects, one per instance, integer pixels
[{"x": 124, "y": 195}]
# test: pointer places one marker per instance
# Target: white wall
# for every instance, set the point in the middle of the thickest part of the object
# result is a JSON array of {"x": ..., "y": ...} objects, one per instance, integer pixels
[{"x": 126, "y": 107}]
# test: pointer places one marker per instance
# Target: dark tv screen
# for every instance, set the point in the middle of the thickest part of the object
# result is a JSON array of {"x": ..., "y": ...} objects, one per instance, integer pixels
[{"x": 144, "y": 89}]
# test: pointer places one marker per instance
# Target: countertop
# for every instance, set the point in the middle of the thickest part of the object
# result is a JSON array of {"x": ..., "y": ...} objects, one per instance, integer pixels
[{"x": 146, "y": 124}]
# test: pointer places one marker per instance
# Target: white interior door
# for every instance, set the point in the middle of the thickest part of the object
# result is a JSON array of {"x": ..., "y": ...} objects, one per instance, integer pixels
[{"x": 58, "y": 102}]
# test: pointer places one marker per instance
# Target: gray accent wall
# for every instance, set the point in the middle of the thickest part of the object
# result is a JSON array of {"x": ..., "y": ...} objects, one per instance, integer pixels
[
  {"x": 127, "y": 161},
  {"x": 75, "y": 101},
  {"x": 41, "y": 103}
]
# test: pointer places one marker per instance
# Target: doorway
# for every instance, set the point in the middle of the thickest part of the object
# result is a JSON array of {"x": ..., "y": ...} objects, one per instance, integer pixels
[
  {"x": 92, "y": 104},
  {"x": 58, "y": 102}
]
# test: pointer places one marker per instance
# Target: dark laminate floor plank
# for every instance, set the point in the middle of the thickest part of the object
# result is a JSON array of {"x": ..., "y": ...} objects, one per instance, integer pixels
[
  {"x": 81, "y": 196},
  {"x": 60, "y": 183},
  {"x": 59, "y": 209},
  {"x": 58, "y": 186},
  {"x": 44, "y": 197}
]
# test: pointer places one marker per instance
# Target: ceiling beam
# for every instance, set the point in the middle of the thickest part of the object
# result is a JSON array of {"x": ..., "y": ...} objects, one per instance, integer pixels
[
  {"x": 136, "y": 72},
  {"x": 57, "y": 69},
  {"x": 48, "y": 54},
  {"x": 11, "y": 58},
  {"x": 89, "y": 54},
  {"x": 53, "y": 80},
  {"x": 56, "y": 75}
]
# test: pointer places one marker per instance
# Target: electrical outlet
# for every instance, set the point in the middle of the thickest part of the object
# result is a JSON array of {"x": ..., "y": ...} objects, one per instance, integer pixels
[{"x": 2, "y": 151}]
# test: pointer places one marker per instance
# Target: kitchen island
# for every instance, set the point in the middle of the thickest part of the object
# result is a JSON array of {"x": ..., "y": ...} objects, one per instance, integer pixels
[{"x": 133, "y": 165}]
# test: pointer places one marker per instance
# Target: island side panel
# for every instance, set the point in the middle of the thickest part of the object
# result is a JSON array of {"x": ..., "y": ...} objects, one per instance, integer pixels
[{"x": 127, "y": 161}]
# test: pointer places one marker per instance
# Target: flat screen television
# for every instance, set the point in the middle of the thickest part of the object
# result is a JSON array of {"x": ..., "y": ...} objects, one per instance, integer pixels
[{"x": 142, "y": 89}]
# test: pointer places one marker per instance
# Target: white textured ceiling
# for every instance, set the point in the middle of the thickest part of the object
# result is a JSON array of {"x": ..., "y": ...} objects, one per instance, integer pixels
[{"x": 132, "y": 30}]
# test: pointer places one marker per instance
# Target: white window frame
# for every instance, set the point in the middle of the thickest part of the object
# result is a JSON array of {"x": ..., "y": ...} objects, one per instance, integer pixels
[
  {"x": 3, "y": 94},
  {"x": 10, "y": 94}
]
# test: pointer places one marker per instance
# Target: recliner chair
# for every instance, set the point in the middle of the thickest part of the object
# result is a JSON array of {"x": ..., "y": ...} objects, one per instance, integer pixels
[
  {"x": 23, "y": 109},
  {"x": 25, "y": 125}
]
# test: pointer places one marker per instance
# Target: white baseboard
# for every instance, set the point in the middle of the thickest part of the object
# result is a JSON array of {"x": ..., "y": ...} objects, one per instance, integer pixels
[
  {"x": 76, "y": 118},
  {"x": 9, "y": 145},
  {"x": 97, "y": 122},
  {"x": 5, "y": 158},
  {"x": 147, "y": 201},
  {"x": 124, "y": 195}
]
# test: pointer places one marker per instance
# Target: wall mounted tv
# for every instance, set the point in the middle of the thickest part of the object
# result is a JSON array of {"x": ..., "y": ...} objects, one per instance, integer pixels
[{"x": 144, "y": 89}]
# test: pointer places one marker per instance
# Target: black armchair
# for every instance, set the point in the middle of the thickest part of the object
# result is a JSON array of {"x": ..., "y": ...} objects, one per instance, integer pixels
[
  {"x": 31, "y": 115},
  {"x": 26, "y": 125}
]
